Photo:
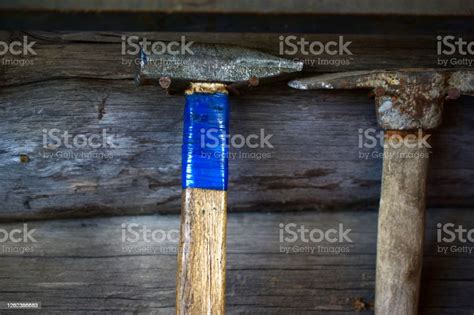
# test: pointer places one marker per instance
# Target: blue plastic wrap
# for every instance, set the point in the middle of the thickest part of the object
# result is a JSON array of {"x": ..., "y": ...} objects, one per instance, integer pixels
[{"x": 205, "y": 141}]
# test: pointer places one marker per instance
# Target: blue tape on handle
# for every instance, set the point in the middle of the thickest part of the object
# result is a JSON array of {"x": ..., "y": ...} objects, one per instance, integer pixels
[{"x": 205, "y": 141}]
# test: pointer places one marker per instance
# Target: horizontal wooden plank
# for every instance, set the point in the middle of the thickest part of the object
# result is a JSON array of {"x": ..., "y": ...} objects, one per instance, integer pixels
[
  {"x": 97, "y": 265},
  {"x": 18, "y": 19},
  {"x": 315, "y": 161},
  {"x": 413, "y": 7},
  {"x": 98, "y": 55}
]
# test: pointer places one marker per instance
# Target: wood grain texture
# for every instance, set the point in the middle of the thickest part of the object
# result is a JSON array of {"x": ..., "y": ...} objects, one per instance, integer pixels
[
  {"x": 315, "y": 162},
  {"x": 200, "y": 286},
  {"x": 79, "y": 85},
  {"x": 98, "y": 55},
  {"x": 401, "y": 226},
  {"x": 92, "y": 265}
]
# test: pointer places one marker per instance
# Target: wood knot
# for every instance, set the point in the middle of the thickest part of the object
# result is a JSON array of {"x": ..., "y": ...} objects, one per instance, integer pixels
[
  {"x": 24, "y": 158},
  {"x": 359, "y": 305}
]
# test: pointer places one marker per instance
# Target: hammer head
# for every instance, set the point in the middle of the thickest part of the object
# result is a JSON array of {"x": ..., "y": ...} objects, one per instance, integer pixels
[
  {"x": 213, "y": 63},
  {"x": 405, "y": 99}
]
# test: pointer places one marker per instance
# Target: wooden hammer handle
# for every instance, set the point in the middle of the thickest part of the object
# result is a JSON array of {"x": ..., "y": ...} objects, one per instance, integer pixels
[
  {"x": 201, "y": 258},
  {"x": 401, "y": 227},
  {"x": 200, "y": 285}
]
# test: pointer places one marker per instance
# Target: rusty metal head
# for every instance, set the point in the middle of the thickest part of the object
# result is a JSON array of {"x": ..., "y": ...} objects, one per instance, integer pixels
[
  {"x": 405, "y": 99},
  {"x": 213, "y": 63},
  {"x": 462, "y": 81}
]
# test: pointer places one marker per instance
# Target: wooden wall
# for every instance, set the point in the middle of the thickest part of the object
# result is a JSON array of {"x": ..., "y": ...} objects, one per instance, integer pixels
[
  {"x": 313, "y": 176},
  {"x": 78, "y": 84}
]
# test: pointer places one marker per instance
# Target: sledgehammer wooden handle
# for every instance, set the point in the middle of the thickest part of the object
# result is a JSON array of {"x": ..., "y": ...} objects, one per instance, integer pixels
[
  {"x": 401, "y": 225},
  {"x": 201, "y": 257}
]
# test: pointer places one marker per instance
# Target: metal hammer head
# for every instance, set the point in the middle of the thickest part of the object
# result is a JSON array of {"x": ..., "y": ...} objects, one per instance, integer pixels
[
  {"x": 405, "y": 99},
  {"x": 213, "y": 63}
]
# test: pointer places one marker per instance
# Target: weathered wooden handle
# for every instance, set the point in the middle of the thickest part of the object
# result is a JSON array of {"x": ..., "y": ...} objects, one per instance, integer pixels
[
  {"x": 401, "y": 227},
  {"x": 201, "y": 257},
  {"x": 200, "y": 284}
]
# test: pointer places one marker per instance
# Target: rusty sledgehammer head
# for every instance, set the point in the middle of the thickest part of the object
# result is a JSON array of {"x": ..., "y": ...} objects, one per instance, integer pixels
[
  {"x": 212, "y": 63},
  {"x": 405, "y": 99}
]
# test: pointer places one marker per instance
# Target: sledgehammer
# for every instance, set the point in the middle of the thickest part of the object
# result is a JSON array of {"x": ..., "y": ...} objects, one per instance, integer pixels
[
  {"x": 200, "y": 287},
  {"x": 408, "y": 103}
]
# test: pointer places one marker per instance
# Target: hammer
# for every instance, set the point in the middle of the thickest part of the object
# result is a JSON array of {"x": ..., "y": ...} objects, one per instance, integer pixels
[
  {"x": 200, "y": 287},
  {"x": 408, "y": 103}
]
